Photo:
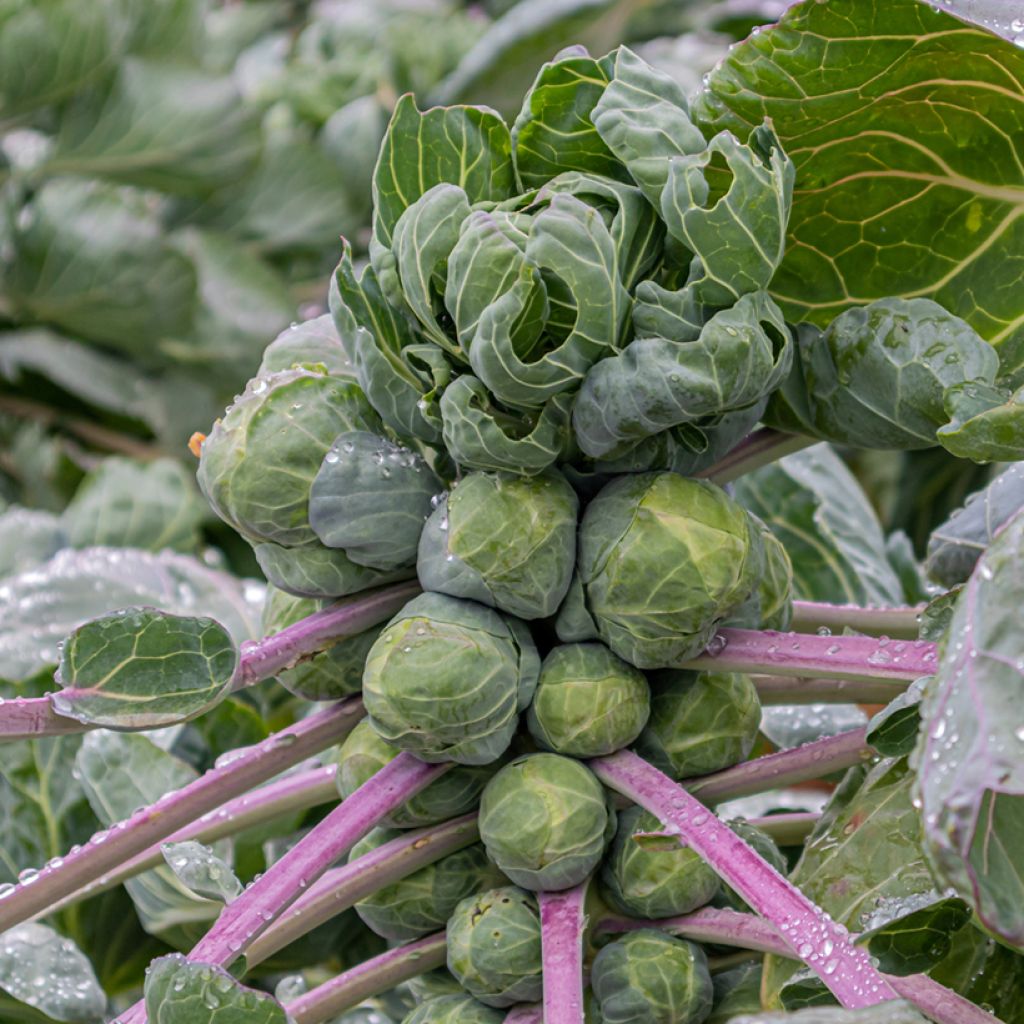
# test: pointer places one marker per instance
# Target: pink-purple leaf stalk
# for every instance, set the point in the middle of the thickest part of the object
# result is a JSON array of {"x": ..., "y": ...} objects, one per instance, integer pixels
[
  {"x": 252, "y": 913},
  {"x": 562, "y": 923},
  {"x": 810, "y": 934},
  {"x": 757, "y": 449},
  {"x": 112, "y": 847}
]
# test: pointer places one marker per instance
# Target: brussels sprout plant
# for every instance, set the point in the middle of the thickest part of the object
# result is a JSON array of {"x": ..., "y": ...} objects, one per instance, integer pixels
[{"x": 549, "y": 518}]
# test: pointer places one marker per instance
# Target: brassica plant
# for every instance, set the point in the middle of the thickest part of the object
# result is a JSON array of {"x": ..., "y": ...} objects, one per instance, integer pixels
[{"x": 554, "y": 705}]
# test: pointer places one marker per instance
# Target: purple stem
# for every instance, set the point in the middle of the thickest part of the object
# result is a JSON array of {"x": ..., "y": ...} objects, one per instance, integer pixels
[
  {"x": 289, "y": 795},
  {"x": 525, "y": 1013},
  {"x": 808, "y": 655},
  {"x": 377, "y": 975},
  {"x": 340, "y": 888},
  {"x": 755, "y": 450},
  {"x": 244, "y": 920},
  {"x": 811, "y": 935},
  {"x": 110, "y": 848},
  {"x": 792, "y": 690},
  {"x": 27, "y": 717},
  {"x": 785, "y": 768},
  {"x": 785, "y": 829},
  {"x": 732, "y": 928},
  {"x": 814, "y": 615},
  {"x": 562, "y": 921}
]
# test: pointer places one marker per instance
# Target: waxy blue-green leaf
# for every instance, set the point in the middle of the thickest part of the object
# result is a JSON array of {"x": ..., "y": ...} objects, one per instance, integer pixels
[
  {"x": 986, "y": 423},
  {"x": 159, "y": 125},
  {"x": 955, "y": 547},
  {"x": 143, "y": 668},
  {"x": 873, "y": 100},
  {"x": 480, "y": 435},
  {"x": 126, "y": 503},
  {"x": 180, "y": 992},
  {"x": 968, "y": 757},
  {"x": 880, "y": 375},
  {"x": 644, "y": 119},
  {"x": 201, "y": 871},
  {"x": 910, "y": 935},
  {"x": 465, "y": 146},
  {"x": 28, "y": 537},
  {"x": 370, "y": 498},
  {"x": 311, "y": 343},
  {"x": 121, "y": 772},
  {"x": 554, "y": 132},
  {"x": 740, "y": 355},
  {"x": 569, "y": 241},
  {"x": 44, "y": 970},
  {"x": 739, "y": 238},
  {"x": 893, "y": 730},
  {"x": 816, "y": 507},
  {"x": 40, "y": 607}
]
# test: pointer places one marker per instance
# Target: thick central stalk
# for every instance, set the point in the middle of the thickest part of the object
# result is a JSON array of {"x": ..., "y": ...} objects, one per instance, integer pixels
[{"x": 562, "y": 922}]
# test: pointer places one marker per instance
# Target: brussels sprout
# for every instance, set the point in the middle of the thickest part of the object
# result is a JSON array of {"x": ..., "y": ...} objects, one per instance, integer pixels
[
  {"x": 574, "y": 622},
  {"x": 647, "y": 977},
  {"x": 439, "y": 982},
  {"x": 588, "y": 702},
  {"x": 770, "y": 605},
  {"x": 422, "y": 902},
  {"x": 333, "y": 673},
  {"x": 646, "y": 882},
  {"x": 370, "y": 498},
  {"x": 364, "y": 753},
  {"x": 447, "y": 679},
  {"x": 315, "y": 571},
  {"x": 760, "y": 841},
  {"x": 507, "y": 541},
  {"x": 663, "y": 560},
  {"x": 700, "y": 721},
  {"x": 453, "y": 1009},
  {"x": 259, "y": 461},
  {"x": 494, "y": 946},
  {"x": 312, "y": 344},
  {"x": 545, "y": 822}
]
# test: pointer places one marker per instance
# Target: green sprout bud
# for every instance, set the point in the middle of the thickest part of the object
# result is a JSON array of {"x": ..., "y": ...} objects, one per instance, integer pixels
[
  {"x": 313, "y": 570},
  {"x": 663, "y": 561},
  {"x": 588, "y": 702},
  {"x": 260, "y": 460},
  {"x": 494, "y": 946},
  {"x": 657, "y": 881},
  {"x": 370, "y": 498},
  {"x": 329, "y": 675},
  {"x": 364, "y": 753},
  {"x": 700, "y": 721},
  {"x": 453, "y": 1009},
  {"x": 770, "y": 605},
  {"x": 506, "y": 541},
  {"x": 545, "y": 821},
  {"x": 647, "y": 977},
  {"x": 431, "y": 984},
  {"x": 311, "y": 344},
  {"x": 422, "y": 902},
  {"x": 446, "y": 680}
]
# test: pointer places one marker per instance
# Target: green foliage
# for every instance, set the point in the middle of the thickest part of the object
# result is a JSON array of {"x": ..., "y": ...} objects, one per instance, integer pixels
[
  {"x": 657, "y": 883},
  {"x": 453, "y": 1009},
  {"x": 494, "y": 946},
  {"x": 647, "y": 976},
  {"x": 545, "y": 822},
  {"x": 143, "y": 668}
]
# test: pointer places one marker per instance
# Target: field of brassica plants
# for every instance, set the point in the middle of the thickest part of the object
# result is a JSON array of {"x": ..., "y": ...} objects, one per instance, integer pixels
[{"x": 602, "y": 601}]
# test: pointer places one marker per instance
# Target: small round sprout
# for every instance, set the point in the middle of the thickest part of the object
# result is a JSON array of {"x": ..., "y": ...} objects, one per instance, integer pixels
[
  {"x": 663, "y": 560},
  {"x": 659, "y": 880},
  {"x": 422, "y": 902},
  {"x": 370, "y": 498},
  {"x": 545, "y": 821},
  {"x": 364, "y": 753},
  {"x": 494, "y": 946},
  {"x": 446, "y": 680},
  {"x": 506, "y": 541},
  {"x": 700, "y": 721},
  {"x": 438, "y": 982},
  {"x": 588, "y": 702},
  {"x": 259, "y": 461},
  {"x": 648, "y": 977},
  {"x": 453, "y": 1009},
  {"x": 313, "y": 570},
  {"x": 311, "y": 344},
  {"x": 770, "y": 604},
  {"x": 763, "y": 843},
  {"x": 329, "y": 675}
]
